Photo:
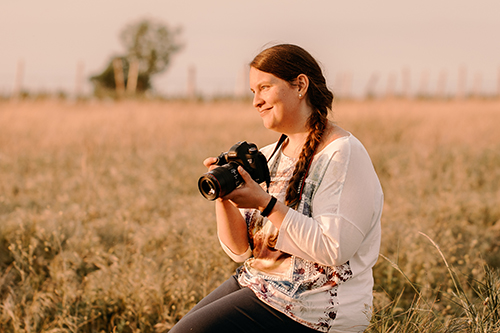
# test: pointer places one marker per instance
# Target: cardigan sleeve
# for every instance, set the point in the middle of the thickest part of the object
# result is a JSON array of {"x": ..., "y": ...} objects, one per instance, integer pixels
[
  {"x": 345, "y": 207},
  {"x": 236, "y": 257}
]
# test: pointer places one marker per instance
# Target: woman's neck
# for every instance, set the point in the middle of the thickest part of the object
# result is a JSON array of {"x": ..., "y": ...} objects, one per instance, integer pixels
[{"x": 294, "y": 144}]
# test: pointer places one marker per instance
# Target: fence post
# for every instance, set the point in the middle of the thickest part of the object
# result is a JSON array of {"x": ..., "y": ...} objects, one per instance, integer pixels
[
  {"x": 406, "y": 82},
  {"x": 346, "y": 85},
  {"x": 119, "y": 80},
  {"x": 461, "y": 82},
  {"x": 191, "y": 83},
  {"x": 133, "y": 73},
  {"x": 337, "y": 85},
  {"x": 78, "y": 80},
  {"x": 371, "y": 86},
  {"x": 241, "y": 87},
  {"x": 498, "y": 83},
  {"x": 441, "y": 85},
  {"x": 477, "y": 85},
  {"x": 18, "y": 82},
  {"x": 391, "y": 86},
  {"x": 423, "y": 90}
]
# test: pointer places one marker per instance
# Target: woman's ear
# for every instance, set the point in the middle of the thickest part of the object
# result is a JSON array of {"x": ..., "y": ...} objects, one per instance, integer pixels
[{"x": 302, "y": 84}]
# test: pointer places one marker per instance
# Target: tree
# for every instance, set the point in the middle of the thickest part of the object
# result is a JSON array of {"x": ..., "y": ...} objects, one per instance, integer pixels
[{"x": 151, "y": 43}]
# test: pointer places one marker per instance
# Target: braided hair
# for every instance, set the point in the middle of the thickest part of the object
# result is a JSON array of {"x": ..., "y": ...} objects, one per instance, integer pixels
[{"x": 287, "y": 62}]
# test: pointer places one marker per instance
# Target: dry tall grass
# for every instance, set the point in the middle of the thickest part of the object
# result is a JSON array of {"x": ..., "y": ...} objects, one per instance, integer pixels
[{"x": 102, "y": 227}]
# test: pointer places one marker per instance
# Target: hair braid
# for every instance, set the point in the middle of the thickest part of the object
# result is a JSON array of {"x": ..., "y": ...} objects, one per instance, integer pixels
[{"x": 317, "y": 125}]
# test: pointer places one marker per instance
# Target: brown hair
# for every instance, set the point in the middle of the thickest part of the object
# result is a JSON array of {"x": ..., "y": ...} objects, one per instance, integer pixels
[{"x": 287, "y": 62}]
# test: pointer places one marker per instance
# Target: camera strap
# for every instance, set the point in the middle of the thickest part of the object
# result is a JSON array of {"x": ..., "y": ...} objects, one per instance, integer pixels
[{"x": 278, "y": 145}]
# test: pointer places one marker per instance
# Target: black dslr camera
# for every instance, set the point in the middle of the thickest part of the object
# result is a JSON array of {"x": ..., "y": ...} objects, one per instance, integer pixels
[{"x": 225, "y": 178}]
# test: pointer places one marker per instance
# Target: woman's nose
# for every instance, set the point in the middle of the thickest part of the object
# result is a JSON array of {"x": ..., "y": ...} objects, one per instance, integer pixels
[{"x": 257, "y": 100}]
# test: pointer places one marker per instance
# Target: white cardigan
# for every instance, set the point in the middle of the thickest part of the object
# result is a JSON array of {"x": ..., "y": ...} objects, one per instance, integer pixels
[{"x": 328, "y": 247}]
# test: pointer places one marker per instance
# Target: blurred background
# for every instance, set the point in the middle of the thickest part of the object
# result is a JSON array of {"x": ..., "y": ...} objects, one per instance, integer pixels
[
  {"x": 367, "y": 48},
  {"x": 102, "y": 226}
]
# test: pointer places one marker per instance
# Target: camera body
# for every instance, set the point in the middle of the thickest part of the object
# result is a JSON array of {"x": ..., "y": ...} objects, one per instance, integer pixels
[{"x": 225, "y": 178}]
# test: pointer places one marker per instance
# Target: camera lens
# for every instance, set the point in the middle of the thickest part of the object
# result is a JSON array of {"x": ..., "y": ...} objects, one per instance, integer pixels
[{"x": 220, "y": 181}]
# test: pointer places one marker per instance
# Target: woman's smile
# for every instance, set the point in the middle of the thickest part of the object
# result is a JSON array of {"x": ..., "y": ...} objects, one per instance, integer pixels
[{"x": 265, "y": 111}]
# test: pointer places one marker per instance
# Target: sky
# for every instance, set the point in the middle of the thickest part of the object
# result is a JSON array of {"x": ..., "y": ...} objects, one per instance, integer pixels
[{"x": 384, "y": 42}]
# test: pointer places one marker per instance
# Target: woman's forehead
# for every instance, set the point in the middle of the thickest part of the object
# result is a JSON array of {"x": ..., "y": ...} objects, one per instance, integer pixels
[{"x": 257, "y": 76}]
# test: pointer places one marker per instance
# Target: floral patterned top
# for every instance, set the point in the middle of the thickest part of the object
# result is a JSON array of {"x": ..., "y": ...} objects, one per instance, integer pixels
[{"x": 317, "y": 268}]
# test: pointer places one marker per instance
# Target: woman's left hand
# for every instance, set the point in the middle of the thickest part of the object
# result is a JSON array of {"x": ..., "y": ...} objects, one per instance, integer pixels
[{"x": 249, "y": 194}]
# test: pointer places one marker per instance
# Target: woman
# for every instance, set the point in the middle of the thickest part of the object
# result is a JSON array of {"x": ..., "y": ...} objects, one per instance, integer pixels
[{"x": 308, "y": 255}]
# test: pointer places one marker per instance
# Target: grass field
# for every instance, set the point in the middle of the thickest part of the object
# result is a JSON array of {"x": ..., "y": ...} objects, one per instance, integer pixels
[{"x": 102, "y": 228}]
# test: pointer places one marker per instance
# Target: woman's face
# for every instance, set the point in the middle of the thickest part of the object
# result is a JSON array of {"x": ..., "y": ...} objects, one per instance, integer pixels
[{"x": 278, "y": 102}]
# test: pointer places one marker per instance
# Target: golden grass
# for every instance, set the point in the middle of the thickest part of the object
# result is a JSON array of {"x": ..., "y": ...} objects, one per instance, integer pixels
[{"x": 102, "y": 227}]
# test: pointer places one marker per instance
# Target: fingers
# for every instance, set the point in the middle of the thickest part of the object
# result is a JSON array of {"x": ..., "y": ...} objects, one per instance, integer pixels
[
  {"x": 209, "y": 161},
  {"x": 249, "y": 194},
  {"x": 244, "y": 174}
]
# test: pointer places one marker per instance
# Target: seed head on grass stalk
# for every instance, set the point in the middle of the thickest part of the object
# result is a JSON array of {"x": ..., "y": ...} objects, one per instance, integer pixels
[
  {"x": 413, "y": 286},
  {"x": 460, "y": 294},
  {"x": 489, "y": 320}
]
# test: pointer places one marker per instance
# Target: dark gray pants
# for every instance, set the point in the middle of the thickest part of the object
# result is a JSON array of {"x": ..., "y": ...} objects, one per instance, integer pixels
[{"x": 232, "y": 308}]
